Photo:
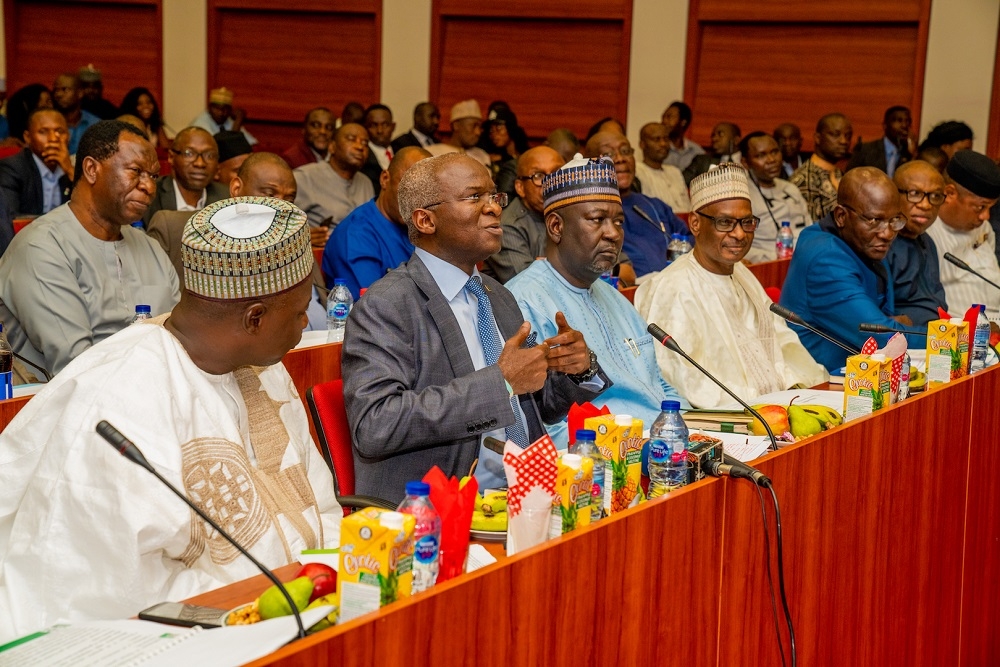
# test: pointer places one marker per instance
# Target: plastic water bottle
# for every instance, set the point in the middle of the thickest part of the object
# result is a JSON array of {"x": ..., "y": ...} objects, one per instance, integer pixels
[
  {"x": 676, "y": 247},
  {"x": 667, "y": 437},
  {"x": 142, "y": 312},
  {"x": 338, "y": 307},
  {"x": 980, "y": 342},
  {"x": 586, "y": 447},
  {"x": 786, "y": 241},
  {"x": 6, "y": 367},
  {"x": 426, "y": 535}
]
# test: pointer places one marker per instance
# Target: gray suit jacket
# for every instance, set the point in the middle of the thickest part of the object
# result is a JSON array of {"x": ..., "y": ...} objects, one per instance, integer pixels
[
  {"x": 414, "y": 399},
  {"x": 166, "y": 200}
]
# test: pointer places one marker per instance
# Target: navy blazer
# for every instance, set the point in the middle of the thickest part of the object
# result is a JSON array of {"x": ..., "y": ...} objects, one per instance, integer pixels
[{"x": 21, "y": 184}]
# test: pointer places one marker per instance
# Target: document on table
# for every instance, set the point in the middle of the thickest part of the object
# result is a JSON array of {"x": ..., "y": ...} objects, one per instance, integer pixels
[{"x": 742, "y": 447}]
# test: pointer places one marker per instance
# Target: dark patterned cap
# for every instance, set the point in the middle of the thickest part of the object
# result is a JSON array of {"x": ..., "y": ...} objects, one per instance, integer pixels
[
  {"x": 976, "y": 173},
  {"x": 579, "y": 180}
]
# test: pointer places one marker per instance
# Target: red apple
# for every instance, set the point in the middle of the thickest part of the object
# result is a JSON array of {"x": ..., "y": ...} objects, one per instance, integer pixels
[
  {"x": 776, "y": 417},
  {"x": 324, "y": 579}
]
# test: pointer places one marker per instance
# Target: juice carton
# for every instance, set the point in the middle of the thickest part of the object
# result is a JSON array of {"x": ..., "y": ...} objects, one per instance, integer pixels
[
  {"x": 947, "y": 350},
  {"x": 376, "y": 560},
  {"x": 620, "y": 441},
  {"x": 867, "y": 385},
  {"x": 571, "y": 504}
]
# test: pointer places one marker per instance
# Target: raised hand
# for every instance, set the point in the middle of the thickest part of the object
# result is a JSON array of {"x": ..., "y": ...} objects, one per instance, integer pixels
[
  {"x": 568, "y": 351},
  {"x": 524, "y": 369}
]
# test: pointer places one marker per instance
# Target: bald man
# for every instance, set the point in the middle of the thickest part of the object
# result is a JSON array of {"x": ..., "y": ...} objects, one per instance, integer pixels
[
  {"x": 663, "y": 181},
  {"x": 523, "y": 225},
  {"x": 819, "y": 178},
  {"x": 372, "y": 240},
  {"x": 194, "y": 159},
  {"x": 913, "y": 260},
  {"x": 838, "y": 277}
]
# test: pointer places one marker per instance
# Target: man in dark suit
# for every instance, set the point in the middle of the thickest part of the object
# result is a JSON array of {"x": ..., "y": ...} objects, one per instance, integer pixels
[
  {"x": 889, "y": 151},
  {"x": 427, "y": 373},
  {"x": 426, "y": 118},
  {"x": 380, "y": 126},
  {"x": 194, "y": 159},
  {"x": 725, "y": 148},
  {"x": 38, "y": 179}
]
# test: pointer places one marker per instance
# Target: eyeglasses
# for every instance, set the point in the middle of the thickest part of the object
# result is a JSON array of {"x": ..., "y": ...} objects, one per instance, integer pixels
[
  {"x": 190, "y": 155},
  {"x": 729, "y": 224},
  {"x": 498, "y": 198},
  {"x": 876, "y": 224},
  {"x": 917, "y": 196},
  {"x": 537, "y": 178}
]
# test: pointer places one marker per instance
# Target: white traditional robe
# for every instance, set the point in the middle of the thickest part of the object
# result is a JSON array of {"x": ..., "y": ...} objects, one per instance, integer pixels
[
  {"x": 724, "y": 323},
  {"x": 977, "y": 249},
  {"x": 86, "y": 534}
]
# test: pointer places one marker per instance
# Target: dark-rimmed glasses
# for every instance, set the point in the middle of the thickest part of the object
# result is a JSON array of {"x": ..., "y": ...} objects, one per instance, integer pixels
[
  {"x": 917, "y": 196},
  {"x": 729, "y": 224},
  {"x": 192, "y": 155},
  {"x": 498, "y": 198},
  {"x": 876, "y": 224},
  {"x": 537, "y": 178}
]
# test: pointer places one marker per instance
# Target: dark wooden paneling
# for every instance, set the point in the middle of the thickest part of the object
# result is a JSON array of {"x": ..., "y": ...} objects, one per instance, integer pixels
[
  {"x": 122, "y": 38},
  {"x": 814, "y": 12},
  {"x": 614, "y": 10},
  {"x": 993, "y": 136}
]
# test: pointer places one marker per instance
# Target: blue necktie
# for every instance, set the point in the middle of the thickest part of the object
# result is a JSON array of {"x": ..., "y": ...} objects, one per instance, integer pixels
[{"x": 492, "y": 346}]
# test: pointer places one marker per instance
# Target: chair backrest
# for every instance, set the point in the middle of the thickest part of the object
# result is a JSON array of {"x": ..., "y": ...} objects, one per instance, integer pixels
[
  {"x": 326, "y": 404},
  {"x": 773, "y": 293}
]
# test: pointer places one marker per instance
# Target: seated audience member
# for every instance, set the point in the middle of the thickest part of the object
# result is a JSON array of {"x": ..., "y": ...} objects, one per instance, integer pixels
[
  {"x": 373, "y": 238},
  {"x": 935, "y": 156},
  {"x": 913, "y": 259},
  {"x": 194, "y": 160},
  {"x": 234, "y": 149},
  {"x": 725, "y": 143},
  {"x": 330, "y": 190},
  {"x": 607, "y": 124},
  {"x": 353, "y": 112},
  {"x": 649, "y": 222},
  {"x": 564, "y": 142},
  {"x": 950, "y": 136},
  {"x": 789, "y": 138},
  {"x": 426, "y": 119},
  {"x": 22, "y": 103},
  {"x": 677, "y": 119},
  {"x": 222, "y": 115},
  {"x": 135, "y": 122},
  {"x": 74, "y": 276},
  {"x": 972, "y": 187},
  {"x": 140, "y": 102},
  {"x": 838, "y": 277},
  {"x": 379, "y": 124},
  {"x": 584, "y": 224},
  {"x": 772, "y": 199},
  {"x": 717, "y": 310},
  {"x": 38, "y": 179},
  {"x": 466, "y": 128},
  {"x": 819, "y": 178},
  {"x": 92, "y": 94},
  {"x": 202, "y": 392},
  {"x": 67, "y": 98},
  {"x": 408, "y": 386},
  {"x": 663, "y": 181},
  {"x": 317, "y": 135},
  {"x": 502, "y": 138},
  {"x": 522, "y": 222},
  {"x": 892, "y": 149}
]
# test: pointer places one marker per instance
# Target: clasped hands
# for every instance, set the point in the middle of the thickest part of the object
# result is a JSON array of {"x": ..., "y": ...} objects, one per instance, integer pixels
[{"x": 525, "y": 369}]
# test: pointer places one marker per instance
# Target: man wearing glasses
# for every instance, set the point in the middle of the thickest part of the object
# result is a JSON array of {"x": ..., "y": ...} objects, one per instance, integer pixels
[
  {"x": 838, "y": 277},
  {"x": 437, "y": 356},
  {"x": 194, "y": 159},
  {"x": 913, "y": 260},
  {"x": 717, "y": 310}
]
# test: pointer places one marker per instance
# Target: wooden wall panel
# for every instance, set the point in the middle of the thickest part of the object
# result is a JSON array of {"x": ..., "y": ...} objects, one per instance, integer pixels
[
  {"x": 562, "y": 65},
  {"x": 122, "y": 38},
  {"x": 993, "y": 135}
]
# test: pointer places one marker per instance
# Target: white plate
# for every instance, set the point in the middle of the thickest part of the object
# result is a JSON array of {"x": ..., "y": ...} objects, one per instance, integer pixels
[{"x": 488, "y": 535}]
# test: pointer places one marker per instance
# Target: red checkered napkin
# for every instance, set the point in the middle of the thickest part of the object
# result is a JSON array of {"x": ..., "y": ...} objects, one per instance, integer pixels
[{"x": 528, "y": 468}]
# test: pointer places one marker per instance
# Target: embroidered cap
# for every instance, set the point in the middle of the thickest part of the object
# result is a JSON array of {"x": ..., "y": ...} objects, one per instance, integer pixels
[
  {"x": 725, "y": 181},
  {"x": 466, "y": 109},
  {"x": 579, "y": 180},
  {"x": 245, "y": 248},
  {"x": 221, "y": 96}
]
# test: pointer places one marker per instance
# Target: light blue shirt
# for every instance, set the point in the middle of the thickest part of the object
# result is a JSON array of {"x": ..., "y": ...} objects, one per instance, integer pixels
[
  {"x": 51, "y": 197},
  {"x": 891, "y": 156}
]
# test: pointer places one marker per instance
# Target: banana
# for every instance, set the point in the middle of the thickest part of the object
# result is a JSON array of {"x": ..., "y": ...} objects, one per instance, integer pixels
[
  {"x": 826, "y": 415},
  {"x": 493, "y": 502},
  {"x": 496, "y": 522}
]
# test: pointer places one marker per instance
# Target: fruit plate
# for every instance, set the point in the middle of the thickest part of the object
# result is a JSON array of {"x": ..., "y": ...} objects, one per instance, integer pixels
[
  {"x": 245, "y": 614},
  {"x": 488, "y": 535}
]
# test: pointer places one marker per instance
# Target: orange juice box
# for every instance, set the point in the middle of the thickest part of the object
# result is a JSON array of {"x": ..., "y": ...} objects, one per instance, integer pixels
[
  {"x": 376, "y": 560},
  {"x": 947, "y": 350},
  {"x": 866, "y": 385},
  {"x": 620, "y": 440},
  {"x": 571, "y": 504}
]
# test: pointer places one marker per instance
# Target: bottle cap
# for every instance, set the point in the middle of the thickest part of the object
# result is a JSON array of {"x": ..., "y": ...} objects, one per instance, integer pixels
[
  {"x": 393, "y": 520},
  {"x": 670, "y": 405},
  {"x": 785, "y": 223},
  {"x": 880, "y": 358},
  {"x": 418, "y": 488},
  {"x": 142, "y": 308},
  {"x": 574, "y": 461},
  {"x": 982, "y": 308},
  {"x": 956, "y": 320},
  {"x": 623, "y": 420},
  {"x": 339, "y": 281},
  {"x": 586, "y": 434}
]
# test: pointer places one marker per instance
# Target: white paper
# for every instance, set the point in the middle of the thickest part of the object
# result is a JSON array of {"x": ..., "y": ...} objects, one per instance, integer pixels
[
  {"x": 312, "y": 339},
  {"x": 744, "y": 448},
  {"x": 478, "y": 557},
  {"x": 333, "y": 560}
]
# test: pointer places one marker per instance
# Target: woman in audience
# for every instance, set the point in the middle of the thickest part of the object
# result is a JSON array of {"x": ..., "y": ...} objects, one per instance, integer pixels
[
  {"x": 141, "y": 103},
  {"x": 21, "y": 104}
]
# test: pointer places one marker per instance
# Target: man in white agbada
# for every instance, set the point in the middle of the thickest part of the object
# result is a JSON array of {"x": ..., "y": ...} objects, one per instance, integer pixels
[
  {"x": 84, "y": 533},
  {"x": 717, "y": 310}
]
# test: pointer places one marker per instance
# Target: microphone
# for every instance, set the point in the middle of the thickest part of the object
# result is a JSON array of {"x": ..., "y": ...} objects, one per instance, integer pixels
[
  {"x": 881, "y": 328},
  {"x": 730, "y": 467},
  {"x": 786, "y": 314},
  {"x": 965, "y": 267},
  {"x": 128, "y": 449},
  {"x": 667, "y": 341}
]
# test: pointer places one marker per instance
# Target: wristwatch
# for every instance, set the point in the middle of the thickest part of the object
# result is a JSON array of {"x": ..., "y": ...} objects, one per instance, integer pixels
[{"x": 588, "y": 374}]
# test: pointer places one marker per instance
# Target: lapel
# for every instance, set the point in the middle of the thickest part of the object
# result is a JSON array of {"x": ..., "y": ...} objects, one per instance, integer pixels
[
  {"x": 167, "y": 198},
  {"x": 33, "y": 186},
  {"x": 444, "y": 319}
]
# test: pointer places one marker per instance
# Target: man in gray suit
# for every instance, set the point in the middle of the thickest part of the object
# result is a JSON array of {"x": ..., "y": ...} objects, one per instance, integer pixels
[
  {"x": 194, "y": 159},
  {"x": 426, "y": 371}
]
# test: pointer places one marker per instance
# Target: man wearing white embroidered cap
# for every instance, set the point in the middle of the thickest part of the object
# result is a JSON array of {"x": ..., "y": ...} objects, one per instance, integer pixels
[
  {"x": 717, "y": 310},
  {"x": 85, "y": 534}
]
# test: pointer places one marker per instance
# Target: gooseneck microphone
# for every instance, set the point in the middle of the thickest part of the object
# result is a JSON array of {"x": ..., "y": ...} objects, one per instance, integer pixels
[
  {"x": 881, "y": 328},
  {"x": 128, "y": 449},
  {"x": 667, "y": 341},
  {"x": 965, "y": 267},
  {"x": 731, "y": 467},
  {"x": 788, "y": 315}
]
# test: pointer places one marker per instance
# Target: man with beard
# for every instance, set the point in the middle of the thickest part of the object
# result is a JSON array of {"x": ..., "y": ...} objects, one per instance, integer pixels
[
  {"x": 818, "y": 178},
  {"x": 317, "y": 133},
  {"x": 789, "y": 138},
  {"x": 889, "y": 151},
  {"x": 194, "y": 159}
]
